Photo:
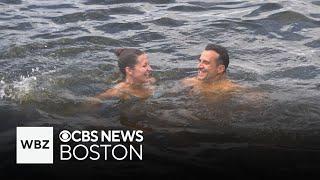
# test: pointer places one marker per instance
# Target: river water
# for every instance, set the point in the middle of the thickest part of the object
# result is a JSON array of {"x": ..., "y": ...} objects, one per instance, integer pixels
[{"x": 56, "y": 54}]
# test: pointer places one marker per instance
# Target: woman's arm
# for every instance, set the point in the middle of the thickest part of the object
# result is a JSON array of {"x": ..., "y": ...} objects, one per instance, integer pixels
[{"x": 110, "y": 93}]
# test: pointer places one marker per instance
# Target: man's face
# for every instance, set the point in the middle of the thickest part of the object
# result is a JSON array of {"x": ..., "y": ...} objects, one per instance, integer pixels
[{"x": 208, "y": 67}]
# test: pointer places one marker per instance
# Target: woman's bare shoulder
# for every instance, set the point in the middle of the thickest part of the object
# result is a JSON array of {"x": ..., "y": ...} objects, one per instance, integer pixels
[{"x": 110, "y": 93}]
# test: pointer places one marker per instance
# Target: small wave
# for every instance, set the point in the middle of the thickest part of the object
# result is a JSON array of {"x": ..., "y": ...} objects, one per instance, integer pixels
[
  {"x": 98, "y": 15},
  {"x": 221, "y": 5},
  {"x": 315, "y": 15},
  {"x": 47, "y": 36},
  {"x": 11, "y": 1},
  {"x": 124, "y": 10},
  {"x": 39, "y": 48},
  {"x": 19, "y": 27},
  {"x": 44, "y": 48},
  {"x": 289, "y": 17},
  {"x": 73, "y": 29},
  {"x": 118, "y": 27},
  {"x": 244, "y": 75},
  {"x": 20, "y": 51},
  {"x": 285, "y": 25},
  {"x": 18, "y": 90},
  {"x": 211, "y": 4},
  {"x": 185, "y": 8},
  {"x": 68, "y": 52},
  {"x": 230, "y": 25},
  {"x": 301, "y": 72},
  {"x": 57, "y": 6},
  {"x": 89, "y": 2},
  {"x": 314, "y": 44},
  {"x": 2, "y": 87},
  {"x": 4, "y": 16},
  {"x": 164, "y": 21},
  {"x": 316, "y": 3},
  {"x": 86, "y": 41},
  {"x": 317, "y": 87},
  {"x": 99, "y": 40},
  {"x": 15, "y": 52},
  {"x": 293, "y": 21},
  {"x": 144, "y": 37},
  {"x": 164, "y": 48},
  {"x": 264, "y": 8},
  {"x": 74, "y": 17}
]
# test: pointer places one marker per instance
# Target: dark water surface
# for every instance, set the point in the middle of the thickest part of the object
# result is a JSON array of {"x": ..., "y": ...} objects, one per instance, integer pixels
[{"x": 56, "y": 54}]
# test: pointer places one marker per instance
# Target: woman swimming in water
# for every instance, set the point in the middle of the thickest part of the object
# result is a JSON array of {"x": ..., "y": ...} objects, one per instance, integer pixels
[{"x": 134, "y": 66}]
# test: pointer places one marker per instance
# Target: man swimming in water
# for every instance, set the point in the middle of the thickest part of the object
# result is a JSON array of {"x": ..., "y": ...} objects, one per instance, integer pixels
[{"x": 212, "y": 66}]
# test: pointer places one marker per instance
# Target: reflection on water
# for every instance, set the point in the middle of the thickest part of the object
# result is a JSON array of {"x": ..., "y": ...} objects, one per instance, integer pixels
[{"x": 54, "y": 55}]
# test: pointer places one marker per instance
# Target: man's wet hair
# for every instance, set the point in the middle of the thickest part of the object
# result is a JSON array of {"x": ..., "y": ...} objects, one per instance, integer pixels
[
  {"x": 127, "y": 58},
  {"x": 223, "y": 54}
]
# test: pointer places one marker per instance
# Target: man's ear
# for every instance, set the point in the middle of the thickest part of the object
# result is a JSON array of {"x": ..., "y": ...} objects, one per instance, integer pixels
[
  {"x": 221, "y": 68},
  {"x": 128, "y": 71}
]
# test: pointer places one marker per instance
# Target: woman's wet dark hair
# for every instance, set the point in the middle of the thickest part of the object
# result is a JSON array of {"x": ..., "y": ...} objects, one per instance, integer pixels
[{"x": 127, "y": 58}]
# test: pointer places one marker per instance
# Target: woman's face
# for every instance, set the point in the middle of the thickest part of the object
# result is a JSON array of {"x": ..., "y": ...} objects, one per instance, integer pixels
[{"x": 141, "y": 73}]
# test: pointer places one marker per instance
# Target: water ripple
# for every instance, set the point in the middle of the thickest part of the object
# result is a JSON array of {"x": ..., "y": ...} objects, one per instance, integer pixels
[
  {"x": 145, "y": 37},
  {"x": 19, "y": 27},
  {"x": 11, "y": 1},
  {"x": 118, "y": 27},
  {"x": 314, "y": 44},
  {"x": 185, "y": 8},
  {"x": 164, "y": 21},
  {"x": 82, "y": 16},
  {"x": 301, "y": 72},
  {"x": 265, "y": 8},
  {"x": 128, "y": 1},
  {"x": 58, "y": 6}
]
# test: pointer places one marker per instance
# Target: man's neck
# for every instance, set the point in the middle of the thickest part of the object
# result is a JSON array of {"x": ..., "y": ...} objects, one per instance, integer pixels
[{"x": 216, "y": 79}]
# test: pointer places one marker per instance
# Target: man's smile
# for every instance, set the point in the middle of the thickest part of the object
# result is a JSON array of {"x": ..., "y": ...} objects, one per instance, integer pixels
[{"x": 202, "y": 72}]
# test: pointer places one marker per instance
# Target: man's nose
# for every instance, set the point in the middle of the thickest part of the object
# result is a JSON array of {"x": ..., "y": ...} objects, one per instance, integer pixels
[
  {"x": 149, "y": 68},
  {"x": 200, "y": 65}
]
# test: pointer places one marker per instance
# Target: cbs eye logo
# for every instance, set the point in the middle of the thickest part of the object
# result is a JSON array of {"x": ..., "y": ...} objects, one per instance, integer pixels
[{"x": 65, "y": 136}]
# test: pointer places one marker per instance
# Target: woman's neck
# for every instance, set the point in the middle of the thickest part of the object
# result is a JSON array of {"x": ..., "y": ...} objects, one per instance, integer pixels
[{"x": 133, "y": 84}]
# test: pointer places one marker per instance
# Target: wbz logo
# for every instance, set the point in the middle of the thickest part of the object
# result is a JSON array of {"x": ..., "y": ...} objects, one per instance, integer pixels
[{"x": 34, "y": 145}]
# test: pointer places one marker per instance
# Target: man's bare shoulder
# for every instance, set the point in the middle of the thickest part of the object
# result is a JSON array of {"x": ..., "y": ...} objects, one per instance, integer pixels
[
  {"x": 189, "y": 81},
  {"x": 230, "y": 86}
]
